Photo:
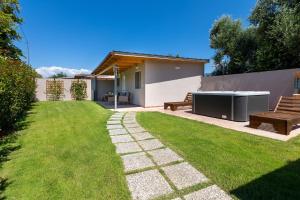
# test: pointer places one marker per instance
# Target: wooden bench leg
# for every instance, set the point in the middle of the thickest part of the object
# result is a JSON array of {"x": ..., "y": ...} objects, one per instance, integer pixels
[
  {"x": 166, "y": 106},
  {"x": 254, "y": 124},
  {"x": 173, "y": 107},
  {"x": 283, "y": 127}
]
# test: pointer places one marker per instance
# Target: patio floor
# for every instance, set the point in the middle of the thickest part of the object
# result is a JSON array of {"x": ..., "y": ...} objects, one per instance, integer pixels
[{"x": 265, "y": 130}]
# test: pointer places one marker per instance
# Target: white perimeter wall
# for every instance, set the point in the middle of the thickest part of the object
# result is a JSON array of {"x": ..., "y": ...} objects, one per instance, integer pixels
[
  {"x": 167, "y": 81},
  {"x": 279, "y": 83},
  {"x": 41, "y": 89}
]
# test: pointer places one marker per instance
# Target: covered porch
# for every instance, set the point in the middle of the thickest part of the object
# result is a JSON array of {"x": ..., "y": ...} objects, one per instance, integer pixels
[
  {"x": 149, "y": 80},
  {"x": 128, "y": 90}
]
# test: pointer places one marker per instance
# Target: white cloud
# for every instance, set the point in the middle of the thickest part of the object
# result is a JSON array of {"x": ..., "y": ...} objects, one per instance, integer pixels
[{"x": 52, "y": 70}]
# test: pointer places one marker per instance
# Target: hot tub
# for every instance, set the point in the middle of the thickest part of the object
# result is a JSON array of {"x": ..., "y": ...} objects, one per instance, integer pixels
[{"x": 230, "y": 105}]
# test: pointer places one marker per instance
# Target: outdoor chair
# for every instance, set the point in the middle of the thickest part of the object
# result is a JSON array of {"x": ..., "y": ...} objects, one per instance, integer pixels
[
  {"x": 124, "y": 97},
  {"x": 174, "y": 105},
  {"x": 285, "y": 115}
]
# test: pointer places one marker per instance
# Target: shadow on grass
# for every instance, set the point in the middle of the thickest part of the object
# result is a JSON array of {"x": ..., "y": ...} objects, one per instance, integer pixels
[
  {"x": 282, "y": 183},
  {"x": 8, "y": 144}
]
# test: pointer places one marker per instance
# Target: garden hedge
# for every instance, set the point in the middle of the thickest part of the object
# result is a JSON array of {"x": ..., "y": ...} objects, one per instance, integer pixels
[{"x": 17, "y": 91}]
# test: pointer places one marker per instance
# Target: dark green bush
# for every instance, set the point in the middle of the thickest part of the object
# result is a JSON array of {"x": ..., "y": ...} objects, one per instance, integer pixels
[
  {"x": 17, "y": 91},
  {"x": 78, "y": 90}
]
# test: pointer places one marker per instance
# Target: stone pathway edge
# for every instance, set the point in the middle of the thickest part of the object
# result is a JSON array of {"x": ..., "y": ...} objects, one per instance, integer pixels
[{"x": 153, "y": 170}]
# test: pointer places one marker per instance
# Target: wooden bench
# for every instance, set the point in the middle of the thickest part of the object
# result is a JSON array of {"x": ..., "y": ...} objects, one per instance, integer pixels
[
  {"x": 174, "y": 105},
  {"x": 284, "y": 117}
]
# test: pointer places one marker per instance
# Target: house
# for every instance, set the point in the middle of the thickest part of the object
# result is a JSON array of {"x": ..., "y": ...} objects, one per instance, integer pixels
[{"x": 151, "y": 79}]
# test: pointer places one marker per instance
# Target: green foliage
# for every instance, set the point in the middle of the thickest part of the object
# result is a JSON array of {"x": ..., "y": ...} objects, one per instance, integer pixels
[
  {"x": 17, "y": 91},
  {"x": 54, "y": 89},
  {"x": 270, "y": 43},
  {"x": 234, "y": 46},
  {"x": 9, "y": 20},
  {"x": 78, "y": 90},
  {"x": 59, "y": 75}
]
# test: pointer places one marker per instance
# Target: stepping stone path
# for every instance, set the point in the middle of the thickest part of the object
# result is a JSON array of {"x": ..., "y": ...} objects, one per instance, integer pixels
[{"x": 154, "y": 170}]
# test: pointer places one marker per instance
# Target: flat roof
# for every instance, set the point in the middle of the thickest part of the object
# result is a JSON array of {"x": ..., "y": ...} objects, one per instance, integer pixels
[{"x": 124, "y": 60}]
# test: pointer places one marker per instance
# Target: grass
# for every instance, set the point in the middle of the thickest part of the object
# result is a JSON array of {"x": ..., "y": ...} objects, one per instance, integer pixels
[
  {"x": 64, "y": 153},
  {"x": 246, "y": 166}
]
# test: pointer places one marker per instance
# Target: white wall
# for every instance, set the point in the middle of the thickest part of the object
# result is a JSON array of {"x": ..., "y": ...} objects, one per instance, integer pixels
[
  {"x": 103, "y": 87},
  {"x": 279, "y": 83},
  {"x": 167, "y": 81},
  {"x": 137, "y": 95},
  {"x": 41, "y": 89}
]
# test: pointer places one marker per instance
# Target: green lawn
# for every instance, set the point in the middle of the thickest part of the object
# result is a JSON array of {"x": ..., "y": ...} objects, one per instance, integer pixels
[
  {"x": 64, "y": 153},
  {"x": 246, "y": 166}
]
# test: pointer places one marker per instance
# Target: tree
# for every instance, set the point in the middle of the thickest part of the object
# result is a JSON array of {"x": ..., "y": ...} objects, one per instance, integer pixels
[
  {"x": 278, "y": 32},
  {"x": 270, "y": 42},
  {"x": 59, "y": 75},
  {"x": 9, "y": 20},
  {"x": 234, "y": 46}
]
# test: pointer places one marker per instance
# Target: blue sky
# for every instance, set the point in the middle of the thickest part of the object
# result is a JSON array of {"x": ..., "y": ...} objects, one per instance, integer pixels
[{"x": 78, "y": 34}]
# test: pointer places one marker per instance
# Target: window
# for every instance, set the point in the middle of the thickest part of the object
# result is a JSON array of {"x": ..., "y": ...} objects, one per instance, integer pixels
[{"x": 137, "y": 80}]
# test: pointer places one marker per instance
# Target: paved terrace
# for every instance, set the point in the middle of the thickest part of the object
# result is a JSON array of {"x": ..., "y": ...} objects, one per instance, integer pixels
[
  {"x": 264, "y": 130},
  {"x": 152, "y": 169}
]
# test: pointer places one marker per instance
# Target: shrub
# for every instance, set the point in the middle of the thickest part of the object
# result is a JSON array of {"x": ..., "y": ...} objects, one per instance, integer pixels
[
  {"x": 54, "y": 89},
  {"x": 17, "y": 91},
  {"x": 78, "y": 90}
]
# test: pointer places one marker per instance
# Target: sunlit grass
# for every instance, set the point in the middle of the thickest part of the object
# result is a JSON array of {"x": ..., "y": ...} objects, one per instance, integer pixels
[
  {"x": 246, "y": 166},
  {"x": 65, "y": 153}
]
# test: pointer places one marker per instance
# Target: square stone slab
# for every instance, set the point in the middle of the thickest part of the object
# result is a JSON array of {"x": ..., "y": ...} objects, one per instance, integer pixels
[
  {"x": 118, "y": 114},
  {"x": 183, "y": 175},
  {"x": 129, "y": 147},
  {"x": 114, "y": 122},
  {"x": 115, "y": 118},
  {"x": 129, "y": 118},
  {"x": 131, "y": 114},
  {"x": 210, "y": 193},
  {"x": 142, "y": 136},
  {"x": 150, "y": 144},
  {"x": 136, "y": 161},
  {"x": 147, "y": 185},
  {"x": 164, "y": 156},
  {"x": 133, "y": 125},
  {"x": 121, "y": 138},
  {"x": 118, "y": 131},
  {"x": 129, "y": 122},
  {"x": 114, "y": 126},
  {"x": 136, "y": 130}
]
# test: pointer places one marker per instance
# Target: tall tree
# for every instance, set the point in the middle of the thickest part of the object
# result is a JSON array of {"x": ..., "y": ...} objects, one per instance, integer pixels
[
  {"x": 234, "y": 46},
  {"x": 270, "y": 42},
  {"x": 278, "y": 32},
  {"x": 9, "y": 22}
]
